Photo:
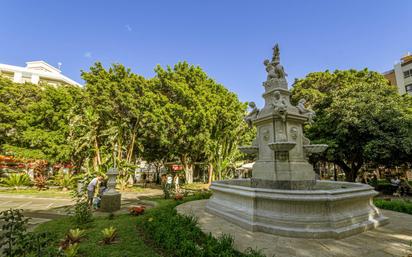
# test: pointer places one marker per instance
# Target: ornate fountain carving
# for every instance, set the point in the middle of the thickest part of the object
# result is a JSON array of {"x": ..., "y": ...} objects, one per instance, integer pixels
[
  {"x": 283, "y": 197},
  {"x": 282, "y": 122}
]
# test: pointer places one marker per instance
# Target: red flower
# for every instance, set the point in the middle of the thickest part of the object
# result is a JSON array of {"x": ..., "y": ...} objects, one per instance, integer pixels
[
  {"x": 137, "y": 210},
  {"x": 178, "y": 197}
]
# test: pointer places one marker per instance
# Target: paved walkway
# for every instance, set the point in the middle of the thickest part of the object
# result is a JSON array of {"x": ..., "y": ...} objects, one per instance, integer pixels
[
  {"x": 43, "y": 209},
  {"x": 394, "y": 239}
]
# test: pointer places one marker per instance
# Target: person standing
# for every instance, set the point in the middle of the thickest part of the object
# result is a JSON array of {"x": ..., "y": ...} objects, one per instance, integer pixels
[
  {"x": 177, "y": 183},
  {"x": 144, "y": 177},
  {"x": 91, "y": 188}
]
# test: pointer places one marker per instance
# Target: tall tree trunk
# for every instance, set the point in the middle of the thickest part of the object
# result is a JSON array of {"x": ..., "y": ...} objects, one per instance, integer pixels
[
  {"x": 188, "y": 169},
  {"x": 97, "y": 152},
  {"x": 351, "y": 172},
  {"x": 131, "y": 148},
  {"x": 210, "y": 173}
]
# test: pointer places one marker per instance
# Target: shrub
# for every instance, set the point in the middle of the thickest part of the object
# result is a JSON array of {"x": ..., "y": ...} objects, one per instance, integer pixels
[
  {"x": 82, "y": 213},
  {"x": 13, "y": 230},
  {"x": 40, "y": 182},
  {"x": 394, "y": 205},
  {"x": 14, "y": 241},
  {"x": 75, "y": 235},
  {"x": 39, "y": 244},
  {"x": 109, "y": 235},
  {"x": 17, "y": 180},
  {"x": 178, "y": 235},
  {"x": 71, "y": 250},
  {"x": 64, "y": 180},
  {"x": 178, "y": 197},
  {"x": 137, "y": 210}
]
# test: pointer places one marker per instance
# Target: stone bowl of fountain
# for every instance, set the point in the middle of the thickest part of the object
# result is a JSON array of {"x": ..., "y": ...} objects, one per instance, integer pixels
[
  {"x": 283, "y": 197},
  {"x": 249, "y": 149}
]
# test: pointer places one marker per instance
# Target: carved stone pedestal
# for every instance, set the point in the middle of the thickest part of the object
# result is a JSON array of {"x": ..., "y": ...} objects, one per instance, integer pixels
[{"x": 111, "y": 202}]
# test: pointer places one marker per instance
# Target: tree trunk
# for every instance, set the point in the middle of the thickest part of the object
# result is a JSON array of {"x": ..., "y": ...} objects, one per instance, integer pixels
[
  {"x": 97, "y": 152},
  {"x": 131, "y": 147},
  {"x": 188, "y": 169},
  {"x": 210, "y": 173},
  {"x": 335, "y": 172},
  {"x": 350, "y": 172}
]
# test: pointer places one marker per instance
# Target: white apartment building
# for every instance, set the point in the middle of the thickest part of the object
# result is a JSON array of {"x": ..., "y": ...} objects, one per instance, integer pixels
[
  {"x": 401, "y": 75},
  {"x": 35, "y": 72}
]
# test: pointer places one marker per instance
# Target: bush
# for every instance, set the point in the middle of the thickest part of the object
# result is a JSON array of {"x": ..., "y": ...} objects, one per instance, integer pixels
[
  {"x": 178, "y": 235},
  {"x": 137, "y": 210},
  {"x": 394, "y": 205},
  {"x": 14, "y": 241},
  {"x": 13, "y": 230},
  {"x": 82, "y": 213},
  {"x": 17, "y": 180},
  {"x": 40, "y": 182},
  {"x": 109, "y": 235},
  {"x": 64, "y": 180}
]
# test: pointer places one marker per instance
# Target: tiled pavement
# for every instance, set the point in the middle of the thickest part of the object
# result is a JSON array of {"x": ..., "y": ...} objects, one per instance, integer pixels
[
  {"x": 43, "y": 209},
  {"x": 394, "y": 239}
]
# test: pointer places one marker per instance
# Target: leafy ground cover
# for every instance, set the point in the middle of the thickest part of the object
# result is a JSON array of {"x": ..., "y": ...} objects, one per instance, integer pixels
[
  {"x": 176, "y": 235},
  {"x": 195, "y": 186},
  {"x": 398, "y": 205},
  {"x": 128, "y": 243},
  {"x": 160, "y": 231}
]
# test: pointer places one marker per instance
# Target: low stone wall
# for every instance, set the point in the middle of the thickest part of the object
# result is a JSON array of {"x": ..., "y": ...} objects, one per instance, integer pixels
[{"x": 334, "y": 210}]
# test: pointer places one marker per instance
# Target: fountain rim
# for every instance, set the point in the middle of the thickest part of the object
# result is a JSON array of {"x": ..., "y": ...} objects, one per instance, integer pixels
[{"x": 351, "y": 188}]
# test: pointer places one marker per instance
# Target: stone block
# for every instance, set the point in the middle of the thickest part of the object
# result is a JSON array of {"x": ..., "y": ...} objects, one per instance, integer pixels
[{"x": 111, "y": 202}]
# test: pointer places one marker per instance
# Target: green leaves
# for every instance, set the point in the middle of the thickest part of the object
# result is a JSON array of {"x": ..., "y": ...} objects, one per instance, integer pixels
[
  {"x": 181, "y": 113},
  {"x": 359, "y": 115}
]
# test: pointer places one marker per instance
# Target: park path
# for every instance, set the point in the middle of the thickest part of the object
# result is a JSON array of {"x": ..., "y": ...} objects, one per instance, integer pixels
[
  {"x": 390, "y": 240},
  {"x": 43, "y": 209}
]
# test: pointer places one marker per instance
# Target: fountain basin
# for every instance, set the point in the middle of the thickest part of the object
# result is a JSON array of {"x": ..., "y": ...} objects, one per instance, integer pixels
[
  {"x": 329, "y": 210},
  {"x": 314, "y": 148},
  {"x": 249, "y": 149},
  {"x": 282, "y": 146}
]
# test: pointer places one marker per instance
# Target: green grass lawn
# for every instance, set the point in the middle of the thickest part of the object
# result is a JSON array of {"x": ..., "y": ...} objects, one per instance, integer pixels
[
  {"x": 160, "y": 231},
  {"x": 128, "y": 243},
  {"x": 399, "y": 205},
  {"x": 58, "y": 193},
  {"x": 39, "y": 193},
  {"x": 195, "y": 186}
]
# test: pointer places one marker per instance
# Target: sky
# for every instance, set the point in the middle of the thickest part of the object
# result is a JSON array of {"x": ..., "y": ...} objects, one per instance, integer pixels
[{"x": 228, "y": 39}]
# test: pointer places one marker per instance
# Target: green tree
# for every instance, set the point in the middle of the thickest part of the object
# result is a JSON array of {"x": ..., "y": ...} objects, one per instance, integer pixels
[
  {"x": 34, "y": 119},
  {"x": 205, "y": 120},
  {"x": 116, "y": 103},
  {"x": 359, "y": 115}
]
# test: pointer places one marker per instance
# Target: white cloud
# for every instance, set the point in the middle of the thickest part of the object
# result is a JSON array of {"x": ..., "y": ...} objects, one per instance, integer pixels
[
  {"x": 88, "y": 54},
  {"x": 128, "y": 27}
]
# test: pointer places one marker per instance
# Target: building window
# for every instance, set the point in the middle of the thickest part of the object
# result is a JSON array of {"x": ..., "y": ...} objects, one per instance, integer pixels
[
  {"x": 409, "y": 89},
  {"x": 407, "y": 74}
]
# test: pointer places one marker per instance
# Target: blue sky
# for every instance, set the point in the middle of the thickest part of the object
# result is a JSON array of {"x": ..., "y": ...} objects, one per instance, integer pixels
[{"x": 228, "y": 39}]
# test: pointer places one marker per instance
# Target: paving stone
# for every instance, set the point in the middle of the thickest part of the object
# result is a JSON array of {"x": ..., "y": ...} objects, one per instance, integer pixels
[{"x": 388, "y": 241}]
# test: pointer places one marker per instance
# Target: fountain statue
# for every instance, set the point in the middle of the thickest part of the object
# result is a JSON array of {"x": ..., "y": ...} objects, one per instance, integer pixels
[{"x": 283, "y": 196}]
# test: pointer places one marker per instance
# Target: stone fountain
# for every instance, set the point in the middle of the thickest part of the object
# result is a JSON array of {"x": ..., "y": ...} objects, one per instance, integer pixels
[{"x": 283, "y": 196}]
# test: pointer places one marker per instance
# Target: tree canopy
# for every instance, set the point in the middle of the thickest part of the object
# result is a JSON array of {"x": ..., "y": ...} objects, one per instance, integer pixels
[
  {"x": 360, "y": 116},
  {"x": 181, "y": 114}
]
